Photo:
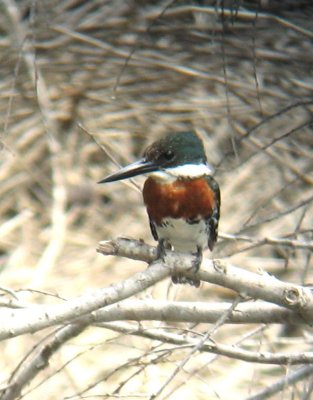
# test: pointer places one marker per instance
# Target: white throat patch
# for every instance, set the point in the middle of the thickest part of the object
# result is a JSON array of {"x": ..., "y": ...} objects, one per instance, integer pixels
[{"x": 188, "y": 171}]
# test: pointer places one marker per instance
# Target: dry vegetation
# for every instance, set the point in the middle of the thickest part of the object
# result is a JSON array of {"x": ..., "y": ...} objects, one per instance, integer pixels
[{"x": 79, "y": 77}]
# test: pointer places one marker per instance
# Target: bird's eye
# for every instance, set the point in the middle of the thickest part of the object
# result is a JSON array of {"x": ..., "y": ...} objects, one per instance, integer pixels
[{"x": 169, "y": 155}]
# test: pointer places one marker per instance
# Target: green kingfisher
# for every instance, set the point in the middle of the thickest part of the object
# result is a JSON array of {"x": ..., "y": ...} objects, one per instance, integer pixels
[{"x": 180, "y": 194}]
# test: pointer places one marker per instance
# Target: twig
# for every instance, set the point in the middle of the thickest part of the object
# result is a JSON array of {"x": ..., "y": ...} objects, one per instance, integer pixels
[
  {"x": 30, "y": 369},
  {"x": 198, "y": 346},
  {"x": 289, "y": 379},
  {"x": 241, "y": 13},
  {"x": 162, "y": 63},
  {"x": 262, "y": 357},
  {"x": 300, "y": 244}
]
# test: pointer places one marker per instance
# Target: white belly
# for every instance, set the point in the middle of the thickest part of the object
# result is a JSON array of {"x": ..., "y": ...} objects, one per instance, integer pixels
[{"x": 183, "y": 236}]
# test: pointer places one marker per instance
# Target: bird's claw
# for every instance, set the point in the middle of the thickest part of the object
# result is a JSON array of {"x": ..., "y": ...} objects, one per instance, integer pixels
[
  {"x": 195, "y": 266},
  {"x": 196, "y": 262}
]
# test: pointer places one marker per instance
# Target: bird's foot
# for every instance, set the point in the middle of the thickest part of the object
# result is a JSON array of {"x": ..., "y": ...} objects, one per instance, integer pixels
[
  {"x": 196, "y": 263},
  {"x": 163, "y": 245},
  {"x": 183, "y": 280}
]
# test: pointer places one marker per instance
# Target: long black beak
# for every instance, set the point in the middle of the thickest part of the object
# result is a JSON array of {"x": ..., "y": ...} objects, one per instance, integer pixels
[{"x": 137, "y": 168}]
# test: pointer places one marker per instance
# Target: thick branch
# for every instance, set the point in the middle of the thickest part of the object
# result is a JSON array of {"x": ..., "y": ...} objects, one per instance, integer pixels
[
  {"x": 195, "y": 312},
  {"x": 175, "y": 311},
  {"x": 35, "y": 318},
  {"x": 265, "y": 287}
]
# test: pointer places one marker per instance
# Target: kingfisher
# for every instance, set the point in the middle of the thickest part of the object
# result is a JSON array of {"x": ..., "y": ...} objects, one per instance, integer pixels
[{"x": 180, "y": 194}]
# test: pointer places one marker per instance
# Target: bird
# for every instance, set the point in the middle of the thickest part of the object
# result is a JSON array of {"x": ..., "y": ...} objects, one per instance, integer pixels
[{"x": 181, "y": 196}]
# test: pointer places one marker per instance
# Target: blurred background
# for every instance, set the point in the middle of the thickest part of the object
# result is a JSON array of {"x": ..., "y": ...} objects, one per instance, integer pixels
[{"x": 85, "y": 86}]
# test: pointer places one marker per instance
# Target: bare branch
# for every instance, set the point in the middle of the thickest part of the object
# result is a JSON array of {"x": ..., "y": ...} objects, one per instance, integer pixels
[
  {"x": 242, "y": 14},
  {"x": 198, "y": 346},
  {"x": 289, "y": 379},
  {"x": 29, "y": 369},
  {"x": 136, "y": 309},
  {"x": 219, "y": 272},
  {"x": 297, "y": 244},
  {"x": 262, "y": 357},
  {"x": 40, "y": 317},
  {"x": 265, "y": 287},
  {"x": 195, "y": 312}
]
